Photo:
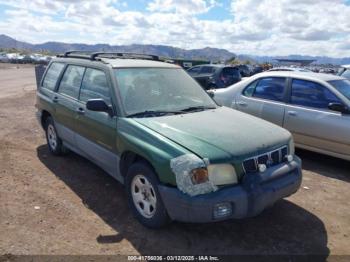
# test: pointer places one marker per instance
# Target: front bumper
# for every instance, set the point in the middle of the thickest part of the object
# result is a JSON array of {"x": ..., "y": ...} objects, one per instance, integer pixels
[{"x": 256, "y": 192}]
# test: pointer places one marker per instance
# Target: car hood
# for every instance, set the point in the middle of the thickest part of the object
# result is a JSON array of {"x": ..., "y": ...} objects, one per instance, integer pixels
[{"x": 219, "y": 134}]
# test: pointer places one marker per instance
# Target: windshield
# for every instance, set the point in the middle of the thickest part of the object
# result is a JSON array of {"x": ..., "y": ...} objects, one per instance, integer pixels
[
  {"x": 159, "y": 89},
  {"x": 343, "y": 86}
]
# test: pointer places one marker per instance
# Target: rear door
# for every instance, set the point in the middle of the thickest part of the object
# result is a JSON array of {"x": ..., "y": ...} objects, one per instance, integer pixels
[
  {"x": 96, "y": 131},
  {"x": 312, "y": 123},
  {"x": 66, "y": 100},
  {"x": 264, "y": 98}
]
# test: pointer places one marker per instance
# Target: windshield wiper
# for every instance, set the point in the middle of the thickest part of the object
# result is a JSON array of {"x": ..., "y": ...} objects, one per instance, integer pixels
[
  {"x": 148, "y": 113},
  {"x": 197, "y": 108}
]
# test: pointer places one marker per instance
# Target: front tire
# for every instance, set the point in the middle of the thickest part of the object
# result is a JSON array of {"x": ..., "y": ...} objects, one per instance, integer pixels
[
  {"x": 54, "y": 142},
  {"x": 143, "y": 196}
]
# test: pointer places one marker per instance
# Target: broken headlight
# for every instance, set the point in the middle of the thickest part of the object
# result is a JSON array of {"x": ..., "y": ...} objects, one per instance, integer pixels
[
  {"x": 199, "y": 175},
  {"x": 222, "y": 174}
]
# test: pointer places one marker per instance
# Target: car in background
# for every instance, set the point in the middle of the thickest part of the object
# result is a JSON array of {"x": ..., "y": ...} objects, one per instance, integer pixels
[
  {"x": 313, "y": 107},
  {"x": 294, "y": 69},
  {"x": 344, "y": 71},
  {"x": 213, "y": 76},
  {"x": 244, "y": 70}
]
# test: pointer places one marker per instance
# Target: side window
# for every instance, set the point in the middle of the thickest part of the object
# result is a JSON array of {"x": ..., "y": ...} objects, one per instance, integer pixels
[
  {"x": 271, "y": 88},
  {"x": 52, "y": 75},
  {"x": 95, "y": 85},
  {"x": 311, "y": 94},
  {"x": 70, "y": 83},
  {"x": 207, "y": 70},
  {"x": 249, "y": 90},
  {"x": 194, "y": 70}
]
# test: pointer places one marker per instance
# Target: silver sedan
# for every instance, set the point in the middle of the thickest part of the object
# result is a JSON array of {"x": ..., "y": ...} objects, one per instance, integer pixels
[{"x": 315, "y": 108}]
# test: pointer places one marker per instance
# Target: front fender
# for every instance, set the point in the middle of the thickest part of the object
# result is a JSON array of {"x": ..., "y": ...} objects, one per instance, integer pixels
[{"x": 158, "y": 150}]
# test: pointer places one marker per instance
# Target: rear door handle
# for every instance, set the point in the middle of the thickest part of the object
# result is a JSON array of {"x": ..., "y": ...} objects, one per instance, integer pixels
[
  {"x": 55, "y": 99},
  {"x": 241, "y": 103},
  {"x": 80, "y": 111},
  {"x": 292, "y": 113}
]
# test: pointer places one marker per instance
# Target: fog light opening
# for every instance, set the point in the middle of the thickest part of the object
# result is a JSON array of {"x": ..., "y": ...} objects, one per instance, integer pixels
[
  {"x": 222, "y": 210},
  {"x": 262, "y": 168},
  {"x": 289, "y": 158}
]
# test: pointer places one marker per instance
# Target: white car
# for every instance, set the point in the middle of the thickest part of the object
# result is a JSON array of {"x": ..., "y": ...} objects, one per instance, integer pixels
[{"x": 313, "y": 107}]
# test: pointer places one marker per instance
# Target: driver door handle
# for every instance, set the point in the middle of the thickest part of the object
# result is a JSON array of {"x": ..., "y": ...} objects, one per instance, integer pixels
[
  {"x": 292, "y": 113},
  {"x": 55, "y": 99},
  {"x": 241, "y": 103},
  {"x": 80, "y": 111}
]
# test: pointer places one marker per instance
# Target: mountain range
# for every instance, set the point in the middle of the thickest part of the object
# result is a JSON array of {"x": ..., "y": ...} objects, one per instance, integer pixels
[{"x": 207, "y": 53}]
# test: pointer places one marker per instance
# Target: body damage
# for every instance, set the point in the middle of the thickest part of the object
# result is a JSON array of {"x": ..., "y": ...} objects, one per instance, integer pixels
[{"x": 215, "y": 135}]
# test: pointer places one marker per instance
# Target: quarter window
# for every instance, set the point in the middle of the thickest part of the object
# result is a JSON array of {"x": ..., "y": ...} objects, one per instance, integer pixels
[
  {"x": 271, "y": 88},
  {"x": 52, "y": 75},
  {"x": 71, "y": 81},
  {"x": 95, "y": 85},
  {"x": 311, "y": 94}
]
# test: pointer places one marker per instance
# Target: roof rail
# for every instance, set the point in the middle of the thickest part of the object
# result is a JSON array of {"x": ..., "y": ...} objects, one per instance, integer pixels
[
  {"x": 123, "y": 55},
  {"x": 95, "y": 55},
  {"x": 76, "y": 54}
]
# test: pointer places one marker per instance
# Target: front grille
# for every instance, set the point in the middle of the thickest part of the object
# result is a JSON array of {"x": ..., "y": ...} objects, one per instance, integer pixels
[{"x": 269, "y": 159}]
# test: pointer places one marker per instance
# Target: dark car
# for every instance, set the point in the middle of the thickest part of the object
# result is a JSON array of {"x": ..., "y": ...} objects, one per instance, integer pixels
[
  {"x": 215, "y": 76},
  {"x": 244, "y": 70}
]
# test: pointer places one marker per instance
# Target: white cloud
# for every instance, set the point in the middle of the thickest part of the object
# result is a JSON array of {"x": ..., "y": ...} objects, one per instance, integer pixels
[
  {"x": 182, "y": 6},
  {"x": 264, "y": 27}
]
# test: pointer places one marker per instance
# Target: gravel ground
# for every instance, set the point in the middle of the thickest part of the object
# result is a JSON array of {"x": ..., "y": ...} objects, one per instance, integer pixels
[{"x": 67, "y": 205}]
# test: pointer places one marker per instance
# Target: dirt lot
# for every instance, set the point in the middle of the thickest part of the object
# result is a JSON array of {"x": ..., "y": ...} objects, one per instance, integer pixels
[{"x": 67, "y": 205}]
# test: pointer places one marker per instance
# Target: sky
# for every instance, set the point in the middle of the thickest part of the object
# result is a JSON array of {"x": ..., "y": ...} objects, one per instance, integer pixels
[{"x": 253, "y": 27}]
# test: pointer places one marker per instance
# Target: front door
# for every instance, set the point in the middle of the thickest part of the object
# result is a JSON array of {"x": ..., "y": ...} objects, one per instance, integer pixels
[
  {"x": 96, "y": 131},
  {"x": 310, "y": 121}
]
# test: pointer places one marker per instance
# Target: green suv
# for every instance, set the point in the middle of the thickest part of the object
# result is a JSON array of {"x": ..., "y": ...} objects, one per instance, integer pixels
[{"x": 151, "y": 126}]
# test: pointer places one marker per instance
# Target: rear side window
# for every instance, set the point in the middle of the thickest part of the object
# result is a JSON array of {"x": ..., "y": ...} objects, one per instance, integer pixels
[
  {"x": 207, "y": 70},
  {"x": 71, "y": 81},
  {"x": 52, "y": 75},
  {"x": 95, "y": 85},
  {"x": 230, "y": 72},
  {"x": 311, "y": 94},
  {"x": 270, "y": 88}
]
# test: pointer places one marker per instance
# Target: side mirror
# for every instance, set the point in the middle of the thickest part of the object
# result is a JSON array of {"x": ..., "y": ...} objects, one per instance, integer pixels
[
  {"x": 338, "y": 107},
  {"x": 99, "y": 105}
]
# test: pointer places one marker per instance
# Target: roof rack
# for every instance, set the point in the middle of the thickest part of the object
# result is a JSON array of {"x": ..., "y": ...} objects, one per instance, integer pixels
[{"x": 95, "y": 55}]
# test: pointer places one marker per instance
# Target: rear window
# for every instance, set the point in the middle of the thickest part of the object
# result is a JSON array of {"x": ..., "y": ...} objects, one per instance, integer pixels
[
  {"x": 52, "y": 75},
  {"x": 230, "y": 71}
]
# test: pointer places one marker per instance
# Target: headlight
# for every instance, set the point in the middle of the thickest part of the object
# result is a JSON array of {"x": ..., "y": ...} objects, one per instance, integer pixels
[
  {"x": 291, "y": 147},
  {"x": 199, "y": 175},
  {"x": 222, "y": 174}
]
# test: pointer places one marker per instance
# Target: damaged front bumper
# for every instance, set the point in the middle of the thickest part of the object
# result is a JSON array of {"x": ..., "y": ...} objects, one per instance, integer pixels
[{"x": 255, "y": 192}]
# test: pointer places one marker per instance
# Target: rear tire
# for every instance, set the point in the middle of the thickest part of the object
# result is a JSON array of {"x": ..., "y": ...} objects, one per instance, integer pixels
[
  {"x": 143, "y": 196},
  {"x": 54, "y": 142}
]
